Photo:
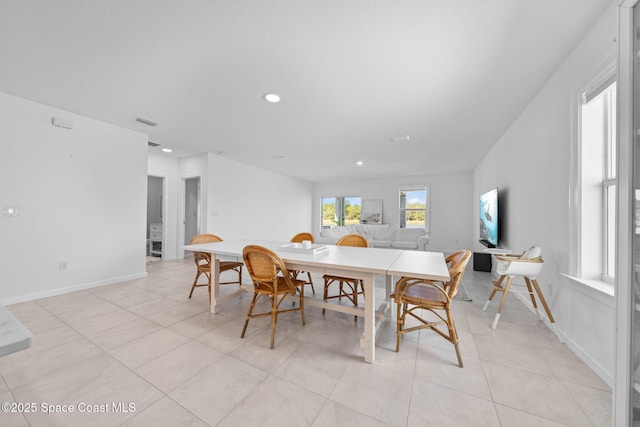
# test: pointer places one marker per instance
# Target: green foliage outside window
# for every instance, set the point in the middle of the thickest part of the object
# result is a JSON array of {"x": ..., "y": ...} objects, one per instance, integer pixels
[
  {"x": 329, "y": 214},
  {"x": 350, "y": 214}
]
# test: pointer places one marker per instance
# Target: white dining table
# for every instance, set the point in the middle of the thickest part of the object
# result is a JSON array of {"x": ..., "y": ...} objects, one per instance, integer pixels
[{"x": 345, "y": 261}]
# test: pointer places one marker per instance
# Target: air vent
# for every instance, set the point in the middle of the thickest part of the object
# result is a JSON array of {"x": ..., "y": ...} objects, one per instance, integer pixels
[
  {"x": 146, "y": 121},
  {"x": 153, "y": 144}
]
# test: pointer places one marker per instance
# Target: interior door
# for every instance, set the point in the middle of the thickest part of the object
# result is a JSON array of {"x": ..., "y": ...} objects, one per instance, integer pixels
[{"x": 191, "y": 209}]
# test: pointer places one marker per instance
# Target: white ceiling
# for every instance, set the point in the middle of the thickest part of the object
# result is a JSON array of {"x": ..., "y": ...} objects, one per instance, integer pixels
[{"x": 352, "y": 74}]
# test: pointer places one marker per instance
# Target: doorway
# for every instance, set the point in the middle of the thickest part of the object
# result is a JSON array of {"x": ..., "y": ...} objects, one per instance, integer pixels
[
  {"x": 191, "y": 208},
  {"x": 155, "y": 220}
]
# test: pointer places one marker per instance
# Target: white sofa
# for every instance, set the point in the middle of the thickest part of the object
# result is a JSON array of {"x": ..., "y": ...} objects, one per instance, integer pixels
[{"x": 378, "y": 236}]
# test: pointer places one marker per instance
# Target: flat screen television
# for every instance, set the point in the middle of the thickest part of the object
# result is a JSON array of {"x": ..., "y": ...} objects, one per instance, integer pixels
[{"x": 489, "y": 220}]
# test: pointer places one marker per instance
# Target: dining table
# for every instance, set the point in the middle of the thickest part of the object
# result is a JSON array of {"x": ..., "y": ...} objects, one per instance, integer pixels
[{"x": 345, "y": 261}]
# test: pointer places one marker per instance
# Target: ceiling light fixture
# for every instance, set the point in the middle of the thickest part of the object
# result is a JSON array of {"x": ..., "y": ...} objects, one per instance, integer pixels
[
  {"x": 277, "y": 157},
  {"x": 167, "y": 150},
  {"x": 359, "y": 163},
  {"x": 401, "y": 138},
  {"x": 272, "y": 97}
]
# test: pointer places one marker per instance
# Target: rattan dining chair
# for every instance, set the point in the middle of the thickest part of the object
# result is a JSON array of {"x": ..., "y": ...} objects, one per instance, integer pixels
[
  {"x": 417, "y": 296},
  {"x": 299, "y": 238},
  {"x": 203, "y": 264},
  {"x": 348, "y": 287},
  {"x": 272, "y": 280}
]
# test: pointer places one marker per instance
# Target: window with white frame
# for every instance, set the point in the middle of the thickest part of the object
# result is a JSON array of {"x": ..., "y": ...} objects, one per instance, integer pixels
[
  {"x": 413, "y": 205},
  {"x": 340, "y": 211},
  {"x": 597, "y": 165}
]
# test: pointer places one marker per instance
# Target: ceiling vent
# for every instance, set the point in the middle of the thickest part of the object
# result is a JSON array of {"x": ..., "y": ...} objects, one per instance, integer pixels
[
  {"x": 146, "y": 121},
  {"x": 153, "y": 144}
]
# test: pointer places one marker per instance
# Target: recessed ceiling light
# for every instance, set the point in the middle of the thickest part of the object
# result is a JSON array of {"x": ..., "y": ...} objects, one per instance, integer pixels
[
  {"x": 277, "y": 157},
  {"x": 359, "y": 163},
  {"x": 167, "y": 150},
  {"x": 272, "y": 97}
]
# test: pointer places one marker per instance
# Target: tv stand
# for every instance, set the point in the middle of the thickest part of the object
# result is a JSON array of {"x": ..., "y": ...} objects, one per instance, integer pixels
[
  {"x": 497, "y": 251},
  {"x": 482, "y": 262}
]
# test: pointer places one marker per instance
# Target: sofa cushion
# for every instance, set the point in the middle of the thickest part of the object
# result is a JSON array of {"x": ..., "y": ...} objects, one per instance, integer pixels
[
  {"x": 384, "y": 234},
  {"x": 382, "y": 243},
  {"x": 405, "y": 245},
  {"x": 409, "y": 234}
]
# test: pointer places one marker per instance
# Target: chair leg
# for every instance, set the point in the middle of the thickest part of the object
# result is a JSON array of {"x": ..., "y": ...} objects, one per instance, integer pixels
[
  {"x": 542, "y": 300},
  {"x": 355, "y": 297},
  {"x": 496, "y": 285},
  {"x": 274, "y": 319},
  {"x": 194, "y": 284},
  {"x": 246, "y": 322},
  {"x": 311, "y": 283},
  {"x": 398, "y": 325},
  {"x": 504, "y": 298},
  {"x": 453, "y": 336},
  {"x": 326, "y": 293},
  {"x": 302, "y": 303},
  {"x": 486, "y": 304},
  {"x": 533, "y": 297}
]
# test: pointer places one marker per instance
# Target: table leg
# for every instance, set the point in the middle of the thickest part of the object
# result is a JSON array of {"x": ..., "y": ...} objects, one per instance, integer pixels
[
  {"x": 389, "y": 309},
  {"x": 215, "y": 283},
  {"x": 368, "y": 340}
]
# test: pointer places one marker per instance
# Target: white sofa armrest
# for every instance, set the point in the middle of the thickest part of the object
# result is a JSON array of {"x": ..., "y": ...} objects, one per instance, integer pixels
[{"x": 423, "y": 241}]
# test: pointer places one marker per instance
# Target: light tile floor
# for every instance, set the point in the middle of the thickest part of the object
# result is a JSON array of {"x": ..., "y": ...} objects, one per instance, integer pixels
[{"x": 140, "y": 353}]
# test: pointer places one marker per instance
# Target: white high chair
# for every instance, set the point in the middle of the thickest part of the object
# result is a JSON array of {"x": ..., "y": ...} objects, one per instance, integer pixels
[{"x": 527, "y": 265}]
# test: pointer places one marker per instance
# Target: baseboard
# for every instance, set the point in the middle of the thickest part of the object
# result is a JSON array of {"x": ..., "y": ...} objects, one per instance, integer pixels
[
  {"x": 606, "y": 376},
  {"x": 61, "y": 291}
]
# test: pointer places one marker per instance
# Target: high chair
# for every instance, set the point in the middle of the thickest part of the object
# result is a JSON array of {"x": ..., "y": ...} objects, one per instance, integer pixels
[{"x": 528, "y": 265}]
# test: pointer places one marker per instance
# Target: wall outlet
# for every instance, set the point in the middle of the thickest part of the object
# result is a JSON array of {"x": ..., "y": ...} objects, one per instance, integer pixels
[{"x": 62, "y": 265}]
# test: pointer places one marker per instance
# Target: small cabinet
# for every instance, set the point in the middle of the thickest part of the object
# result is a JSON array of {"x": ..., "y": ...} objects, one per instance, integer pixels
[{"x": 155, "y": 239}]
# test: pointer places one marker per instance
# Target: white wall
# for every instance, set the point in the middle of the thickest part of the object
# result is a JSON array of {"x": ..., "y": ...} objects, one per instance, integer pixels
[
  {"x": 82, "y": 195},
  {"x": 238, "y": 200},
  {"x": 531, "y": 164},
  {"x": 451, "y": 197},
  {"x": 249, "y": 202}
]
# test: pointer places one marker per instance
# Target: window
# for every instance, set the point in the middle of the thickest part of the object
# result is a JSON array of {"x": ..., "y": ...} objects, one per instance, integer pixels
[
  {"x": 340, "y": 211},
  {"x": 598, "y": 182},
  {"x": 413, "y": 208}
]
